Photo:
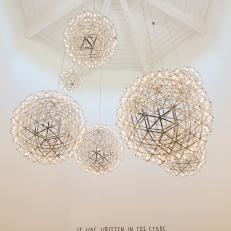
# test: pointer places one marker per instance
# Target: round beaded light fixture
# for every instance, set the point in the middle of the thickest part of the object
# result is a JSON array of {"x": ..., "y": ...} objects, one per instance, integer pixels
[
  {"x": 47, "y": 127},
  {"x": 100, "y": 151},
  {"x": 70, "y": 80},
  {"x": 90, "y": 39},
  {"x": 166, "y": 117}
]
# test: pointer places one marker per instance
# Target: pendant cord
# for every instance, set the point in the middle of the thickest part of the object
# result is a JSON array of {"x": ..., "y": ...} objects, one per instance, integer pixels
[
  {"x": 171, "y": 36},
  {"x": 160, "y": 60},
  {"x": 64, "y": 51},
  {"x": 74, "y": 12},
  {"x": 94, "y": 5},
  {"x": 100, "y": 94},
  {"x": 207, "y": 10},
  {"x": 155, "y": 32},
  {"x": 157, "y": 45},
  {"x": 62, "y": 67},
  {"x": 148, "y": 32},
  {"x": 63, "y": 61}
]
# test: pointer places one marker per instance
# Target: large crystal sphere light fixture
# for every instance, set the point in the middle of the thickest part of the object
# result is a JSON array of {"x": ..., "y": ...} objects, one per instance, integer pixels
[
  {"x": 100, "y": 151},
  {"x": 47, "y": 127},
  {"x": 166, "y": 117},
  {"x": 90, "y": 39}
]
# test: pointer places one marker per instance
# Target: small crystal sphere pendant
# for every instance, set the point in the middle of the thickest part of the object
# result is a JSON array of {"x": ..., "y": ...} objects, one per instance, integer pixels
[
  {"x": 100, "y": 150},
  {"x": 69, "y": 80}
]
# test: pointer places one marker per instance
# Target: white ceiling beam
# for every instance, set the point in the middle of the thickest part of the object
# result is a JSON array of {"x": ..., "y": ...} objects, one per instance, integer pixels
[
  {"x": 106, "y": 7},
  {"x": 53, "y": 17},
  {"x": 135, "y": 34},
  {"x": 178, "y": 15}
]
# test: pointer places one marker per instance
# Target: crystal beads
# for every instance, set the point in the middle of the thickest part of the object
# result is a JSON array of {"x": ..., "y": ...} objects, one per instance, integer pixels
[
  {"x": 90, "y": 39},
  {"x": 166, "y": 118},
  {"x": 48, "y": 126},
  {"x": 100, "y": 151},
  {"x": 70, "y": 80}
]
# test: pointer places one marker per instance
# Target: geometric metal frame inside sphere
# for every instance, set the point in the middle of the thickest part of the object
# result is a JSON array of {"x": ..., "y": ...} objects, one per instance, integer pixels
[
  {"x": 100, "y": 151},
  {"x": 70, "y": 80},
  {"x": 90, "y": 39},
  {"x": 47, "y": 127},
  {"x": 166, "y": 118}
]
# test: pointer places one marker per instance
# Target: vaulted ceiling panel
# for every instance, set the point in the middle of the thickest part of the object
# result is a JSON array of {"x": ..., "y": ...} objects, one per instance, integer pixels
[
  {"x": 194, "y": 8},
  {"x": 141, "y": 44}
]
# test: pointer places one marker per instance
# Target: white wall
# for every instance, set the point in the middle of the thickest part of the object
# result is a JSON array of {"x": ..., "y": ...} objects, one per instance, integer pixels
[
  {"x": 30, "y": 198},
  {"x": 34, "y": 197}
]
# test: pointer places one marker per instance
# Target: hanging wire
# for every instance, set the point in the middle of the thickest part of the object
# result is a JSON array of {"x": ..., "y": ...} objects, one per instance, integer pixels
[
  {"x": 63, "y": 61},
  {"x": 93, "y": 5},
  {"x": 155, "y": 37},
  {"x": 74, "y": 12},
  {"x": 64, "y": 51},
  {"x": 207, "y": 10},
  {"x": 100, "y": 94},
  {"x": 62, "y": 66},
  {"x": 171, "y": 36},
  {"x": 147, "y": 30}
]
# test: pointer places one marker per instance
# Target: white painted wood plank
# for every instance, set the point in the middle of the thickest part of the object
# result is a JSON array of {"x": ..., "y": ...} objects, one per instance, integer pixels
[
  {"x": 53, "y": 16},
  {"x": 179, "y": 15},
  {"x": 135, "y": 35}
]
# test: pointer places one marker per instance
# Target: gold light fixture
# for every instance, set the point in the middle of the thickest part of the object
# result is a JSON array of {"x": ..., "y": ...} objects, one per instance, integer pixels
[
  {"x": 166, "y": 118},
  {"x": 90, "y": 39},
  {"x": 100, "y": 151},
  {"x": 70, "y": 80},
  {"x": 47, "y": 127}
]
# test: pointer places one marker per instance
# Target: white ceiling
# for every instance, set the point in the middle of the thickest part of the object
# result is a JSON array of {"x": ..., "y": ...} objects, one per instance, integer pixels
[{"x": 140, "y": 43}]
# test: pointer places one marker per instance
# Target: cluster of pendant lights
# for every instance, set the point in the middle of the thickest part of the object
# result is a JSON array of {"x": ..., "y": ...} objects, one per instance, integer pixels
[{"x": 165, "y": 117}]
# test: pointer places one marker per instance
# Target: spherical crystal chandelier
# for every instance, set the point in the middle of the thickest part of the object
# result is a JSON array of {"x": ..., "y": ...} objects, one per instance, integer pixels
[
  {"x": 70, "y": 80},
  {"x": 90, "y": 39},
  {"x": 100, "y": 151},
  {"x": 166, "y": 118},
  {"x": 47, "y": 127}
]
